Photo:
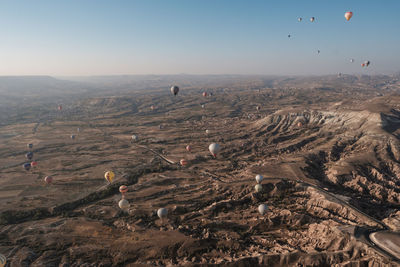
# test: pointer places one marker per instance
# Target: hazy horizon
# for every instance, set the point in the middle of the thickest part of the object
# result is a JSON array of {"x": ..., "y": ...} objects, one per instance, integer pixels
[{"x": 101, "y": 38}]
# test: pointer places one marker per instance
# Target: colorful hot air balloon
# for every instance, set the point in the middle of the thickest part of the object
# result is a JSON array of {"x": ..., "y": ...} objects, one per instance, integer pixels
[
  {"x": 214, "y": 149},
  {"x": 351, "y": 60},
  {"x": 362, "y": 65},
  {"x": 175, "y": 90},
  {"x": 188, "y": 148},
  {"x": 366, "y": 63},
  {"x": 26, "y": 166},
  {"x": 48, "y": 179},
  {"x": 205, "y": 94},
  {"x": 258, "y": 188},
  {"x": 123, "y": 204},
  {"x": 153, "y": 107},
  {"x": 3, "y": 260},
  {"x": 183, "y": 162},
  {"x": 123, "y": 189},
  {"x": 109, "y": 176},
  {"x": 300, "y": 19},
  {"x": 30, "y": 146},
  {"x": 34, "y": 164},
  {"x": 59, "y": 107},
  {"x": 348, "y": 15},
  {"x": 72, "y": 136},
  {"x": 262, "y": 209},
  {"x": 257, "y": 108},
  {"x": 162, "y": 213},
  {"x": 312, "y": 19},
  {"x": 259, "y": 178},
  {"x": 29, "y": 155}
]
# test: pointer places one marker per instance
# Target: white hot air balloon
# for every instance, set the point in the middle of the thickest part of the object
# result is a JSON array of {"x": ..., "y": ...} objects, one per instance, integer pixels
[
  {"x": 258, "y": 188},
  {"x": 312, "y": 19},
  {"x": 351, "y": 60},
  {"x": 123, "y": 204},
  {"x": 259, "y": 178},
  {"x": 300, "y": 19},
  {"x": 262, "y": 209},
  {"x": 175, "y": 90},
  {"x": 348, "y": 15},
  {"x": 208, "y": 131},
  {"x": 214, "y": 149},
  {"x": 162, "y": 213}
]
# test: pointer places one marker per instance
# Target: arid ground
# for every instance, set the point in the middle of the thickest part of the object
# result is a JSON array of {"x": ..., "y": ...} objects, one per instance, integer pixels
[{"x": 328, "y": 148}]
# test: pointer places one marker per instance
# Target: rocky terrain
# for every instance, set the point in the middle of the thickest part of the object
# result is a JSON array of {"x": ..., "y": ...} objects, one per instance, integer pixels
[{"x": 328, "y": 148}]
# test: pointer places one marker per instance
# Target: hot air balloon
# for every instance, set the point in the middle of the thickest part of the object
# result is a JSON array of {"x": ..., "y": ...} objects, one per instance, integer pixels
[
  {"x": 3, "y": 260},
  {"x": 135, "y": 138},
  {"x": 48, "y": 179},
  {"x": 29, "y": 155},
  {"x": 299, "y": 124},
  {"x": 30, "y": 146},
  {"x": 34, "y": 164},
  {"x": 123, "y": 204},
  {"x": 259, "y": 178},
  {"x": 72, "y": 136},
  {"x": 183, "y": 162},
  {"x": 289, "y": 36},
  {"x": 153, "y": 107},
  {"x": 188, "y": 148},
  {"x": 262, "y": 209},
  {"x": 26, "y": 166},
  {"x": 214, "y": 149},
  {"x": 175, "y": 90},
  {"x": 362, "y": 65},
  {"x": 205, "y": 94},
  {"x": 348, "y": 15},
  {"x": 59, "y": 107},
  {"x": 312, "y": 19},
  {"x": 366, "y": 63},
  {"x": 109, "y": 176},
  {"x": 257, "y": 108},
  {"x": 300, "y": 19},
  {"x": 208, "y": 131},
  {"x": 203, "y": 106},
  {"x": 258, "y": 188},
  {"x": 162, "y": 213},
  {"x": 123, "y": 189},
  {"x": 351, "y": 60}
]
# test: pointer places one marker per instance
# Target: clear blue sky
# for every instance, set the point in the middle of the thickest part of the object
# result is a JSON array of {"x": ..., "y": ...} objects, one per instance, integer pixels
[{"x": 95, "y": 37}]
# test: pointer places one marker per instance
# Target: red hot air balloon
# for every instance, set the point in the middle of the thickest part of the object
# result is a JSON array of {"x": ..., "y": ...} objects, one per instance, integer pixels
[
  {"x": 188, "y": 148},
  {"x": 205, "y": 94},
  {"x": 183, "y": 162},
  {"x": 123, "y": 189},
  {"x": 34, "y": 164}
]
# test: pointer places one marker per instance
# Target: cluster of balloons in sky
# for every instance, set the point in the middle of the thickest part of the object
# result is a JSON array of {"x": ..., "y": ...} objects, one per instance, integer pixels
[{"x": 347, "y": 15}]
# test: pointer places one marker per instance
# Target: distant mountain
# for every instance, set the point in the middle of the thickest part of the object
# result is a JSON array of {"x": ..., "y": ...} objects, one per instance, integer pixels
[{"x": 37, "y": 86}]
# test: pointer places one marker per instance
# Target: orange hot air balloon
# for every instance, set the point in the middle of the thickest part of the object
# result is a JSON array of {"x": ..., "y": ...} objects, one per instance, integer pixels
[
  {"x": 48, "y": 179},
  {"x": 188, "y": 148},
  {"x": 33, "y": 163},
  {"x": 348, "y": 15},
  {"x": 123, "y": 189},
  {"x": 183, "y": 162},
  {"x": 205, "y": 94}
]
